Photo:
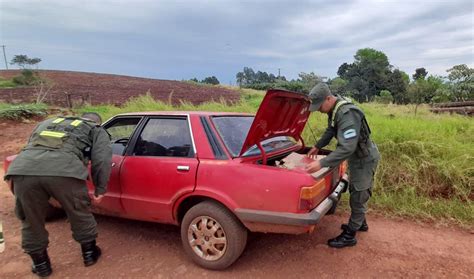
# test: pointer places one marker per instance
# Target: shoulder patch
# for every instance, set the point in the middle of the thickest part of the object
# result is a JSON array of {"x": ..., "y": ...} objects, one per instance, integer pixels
[{"x": 349, "y": 134}]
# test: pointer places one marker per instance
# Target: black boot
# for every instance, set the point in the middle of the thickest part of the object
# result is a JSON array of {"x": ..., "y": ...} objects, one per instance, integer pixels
[
  {"x": 346, "y": 238},
  {"x": 90, "y": 253},
  {"x": 41, "y": 264},
  {"x": 363, "y": 228}
]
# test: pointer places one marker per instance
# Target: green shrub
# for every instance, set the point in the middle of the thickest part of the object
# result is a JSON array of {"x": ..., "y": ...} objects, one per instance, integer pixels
[
  {"x": 24, "y": 111},
  {"x": 27, "y": 77}
]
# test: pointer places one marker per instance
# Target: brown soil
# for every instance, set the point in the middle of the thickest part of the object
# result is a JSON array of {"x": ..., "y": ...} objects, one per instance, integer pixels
[
  {"x": 14, "y": 135},
  {"x": 392, "y": 247},
  {"x": 113, "y": 89}
]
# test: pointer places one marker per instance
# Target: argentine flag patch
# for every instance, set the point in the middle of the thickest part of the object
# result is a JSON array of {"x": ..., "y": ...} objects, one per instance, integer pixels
[{"x": 351, "y": 133}]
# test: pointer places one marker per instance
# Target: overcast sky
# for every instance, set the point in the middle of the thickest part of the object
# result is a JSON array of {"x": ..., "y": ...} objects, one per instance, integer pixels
[{"x": 185, "y": 39}]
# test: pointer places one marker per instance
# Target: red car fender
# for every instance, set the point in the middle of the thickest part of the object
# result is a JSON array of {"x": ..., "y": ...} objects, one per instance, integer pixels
[{"x": 205, "y": 193}]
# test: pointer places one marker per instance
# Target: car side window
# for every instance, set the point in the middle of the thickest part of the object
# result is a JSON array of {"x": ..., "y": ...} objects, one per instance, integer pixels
[
  {"x": 120, "y": 131},
  {"x": 165, "y": 137}
]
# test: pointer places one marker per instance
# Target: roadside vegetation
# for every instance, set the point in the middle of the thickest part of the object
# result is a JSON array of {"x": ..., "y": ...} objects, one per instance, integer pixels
[{"x": 22, "y": 111}]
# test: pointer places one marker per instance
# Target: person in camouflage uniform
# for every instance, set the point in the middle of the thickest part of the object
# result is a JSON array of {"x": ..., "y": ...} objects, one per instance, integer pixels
[
  {"x": 54, "y": 164},
  {"x": 346, "y": 123}
]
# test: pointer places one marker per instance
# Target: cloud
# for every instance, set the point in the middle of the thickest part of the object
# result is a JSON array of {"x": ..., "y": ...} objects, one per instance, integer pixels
[{"x": 183, "y": 39}]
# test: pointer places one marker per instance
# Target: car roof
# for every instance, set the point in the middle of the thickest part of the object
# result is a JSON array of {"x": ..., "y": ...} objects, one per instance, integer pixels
[{"x": 191, "y": 113}]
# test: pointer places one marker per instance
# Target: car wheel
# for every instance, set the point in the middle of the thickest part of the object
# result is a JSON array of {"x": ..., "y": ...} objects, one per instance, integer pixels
[{"x": 212, "y": 236}]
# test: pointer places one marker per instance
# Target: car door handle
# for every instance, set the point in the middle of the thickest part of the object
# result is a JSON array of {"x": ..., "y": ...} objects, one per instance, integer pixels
[
  {"x": 113, "y": 165},
  {"x": 183, "y": 168}
]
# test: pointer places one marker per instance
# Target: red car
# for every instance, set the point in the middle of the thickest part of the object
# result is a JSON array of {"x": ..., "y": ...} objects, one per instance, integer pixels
[{"x": 215, "y": 175}]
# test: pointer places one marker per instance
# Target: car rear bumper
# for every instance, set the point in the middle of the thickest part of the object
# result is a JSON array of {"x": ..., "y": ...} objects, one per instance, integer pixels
[{"x": 292, "y": 219}]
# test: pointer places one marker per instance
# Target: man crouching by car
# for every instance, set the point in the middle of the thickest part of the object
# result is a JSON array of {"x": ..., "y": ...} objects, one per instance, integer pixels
[{"x": 54, "y": 164}]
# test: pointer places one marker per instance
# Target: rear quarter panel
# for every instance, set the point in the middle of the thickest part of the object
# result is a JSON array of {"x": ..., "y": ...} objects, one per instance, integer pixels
[{"x": 251, "y": 186}]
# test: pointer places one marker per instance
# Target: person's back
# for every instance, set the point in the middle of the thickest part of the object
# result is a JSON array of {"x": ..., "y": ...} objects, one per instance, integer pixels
[
  {"x": 54, "y": 164},
  {"x": 56, "y": 148}
]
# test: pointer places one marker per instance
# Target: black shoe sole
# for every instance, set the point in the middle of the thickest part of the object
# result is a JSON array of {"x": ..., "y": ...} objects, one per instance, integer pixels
[
  {"x": 92, "y": 262},
  {"x": 343, "y": 245}
]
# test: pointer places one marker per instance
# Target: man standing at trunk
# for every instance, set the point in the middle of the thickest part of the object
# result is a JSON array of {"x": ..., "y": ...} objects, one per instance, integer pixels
[
  {"x": 54, "y": 164},
  {"x": 347, "y": 123}
]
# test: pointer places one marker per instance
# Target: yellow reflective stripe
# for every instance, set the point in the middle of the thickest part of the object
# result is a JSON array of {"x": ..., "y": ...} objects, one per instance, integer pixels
[
  {"x": 59, "y": 120},
  {"x": 76, "y": 123},
  {"x": 338, "y": 105},
  {"x": 52, "y": 134}
]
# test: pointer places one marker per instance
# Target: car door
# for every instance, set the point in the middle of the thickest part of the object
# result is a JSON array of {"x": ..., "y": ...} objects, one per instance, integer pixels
[
  {"x": 161, "y": 167},
  {"x": 120, "y": 130}
]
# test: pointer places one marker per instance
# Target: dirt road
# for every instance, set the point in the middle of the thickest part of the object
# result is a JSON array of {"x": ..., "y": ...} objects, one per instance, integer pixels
[{"x": 392, "y": 248}]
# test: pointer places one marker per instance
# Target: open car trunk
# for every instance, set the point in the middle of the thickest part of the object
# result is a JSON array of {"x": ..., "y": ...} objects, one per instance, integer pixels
[{"x": 298, "y": 160}]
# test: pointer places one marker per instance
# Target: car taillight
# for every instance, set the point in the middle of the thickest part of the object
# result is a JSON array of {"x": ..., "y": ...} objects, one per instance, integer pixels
[
  {"x": 310, "y": 196},
  {"x": 342, "y": 169}
]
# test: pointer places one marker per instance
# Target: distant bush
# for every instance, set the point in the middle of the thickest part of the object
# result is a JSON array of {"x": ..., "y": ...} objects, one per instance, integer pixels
[
  {"x": 17, "y": 112},
  {"x": 27, "y": 77},
  {"x": 7, "y": 83},
  {"x": 296, "y": 86},
  {"x": 384, "y": 98}
]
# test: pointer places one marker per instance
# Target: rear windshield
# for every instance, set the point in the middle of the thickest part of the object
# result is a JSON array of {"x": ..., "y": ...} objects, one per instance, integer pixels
[{"x": 234, "y": 129}]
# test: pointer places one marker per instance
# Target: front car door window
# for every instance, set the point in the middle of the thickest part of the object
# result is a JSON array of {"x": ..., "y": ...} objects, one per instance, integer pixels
[{"x": 120, "y": 131}]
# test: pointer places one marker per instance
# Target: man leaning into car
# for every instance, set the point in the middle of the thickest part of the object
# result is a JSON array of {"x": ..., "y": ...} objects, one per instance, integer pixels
[
  {"x": 347, "y": 123},
  {"x": 54, "y": 164}
]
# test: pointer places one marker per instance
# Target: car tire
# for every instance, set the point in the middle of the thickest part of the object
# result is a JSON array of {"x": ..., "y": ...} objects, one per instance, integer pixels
[
  {"x": 212, "y": 236},
  {"x": 54, "y": 213}
]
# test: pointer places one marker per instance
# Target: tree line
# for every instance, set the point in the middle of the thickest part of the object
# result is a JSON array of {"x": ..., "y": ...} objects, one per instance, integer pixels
[{"x": 370, "y": 77}]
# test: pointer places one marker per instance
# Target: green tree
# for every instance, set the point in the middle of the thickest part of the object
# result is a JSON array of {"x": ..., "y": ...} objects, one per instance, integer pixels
[
  {"x": 309, "y": 80},
  {"x": 461, "y": 79},
  {"x": 247, "y": 76},
  {"x": 338, "y": 86},
  {"x": 211, "y": 80},
  {"x": 417, "y": 91},
  {"x": 397, "y": 83},
  {"x": 24, "y": 62},
  {"x": 384, "y": 98},
  {"x": 367, "y": 76},
  {"x": 420, "y": 73}
]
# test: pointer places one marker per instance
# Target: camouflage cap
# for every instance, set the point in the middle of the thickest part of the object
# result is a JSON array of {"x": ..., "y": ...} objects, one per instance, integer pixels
[{"x": 317, "y": 95}]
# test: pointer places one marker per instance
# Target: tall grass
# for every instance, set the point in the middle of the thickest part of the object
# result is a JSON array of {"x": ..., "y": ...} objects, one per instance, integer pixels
[{"x": 427, "y": 165}]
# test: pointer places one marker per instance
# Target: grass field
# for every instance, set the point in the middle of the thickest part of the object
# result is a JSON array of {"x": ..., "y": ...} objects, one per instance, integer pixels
[{"x": 426, "y": 170}]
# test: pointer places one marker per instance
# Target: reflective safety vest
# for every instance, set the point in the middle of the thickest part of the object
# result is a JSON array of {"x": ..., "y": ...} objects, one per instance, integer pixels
[
  {"x": 336, "y": 109},
  {"x": 69, "y": 134}
]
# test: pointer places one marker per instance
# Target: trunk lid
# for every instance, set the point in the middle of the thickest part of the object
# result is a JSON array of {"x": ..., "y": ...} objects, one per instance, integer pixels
[{"x": 281, "y": 113}]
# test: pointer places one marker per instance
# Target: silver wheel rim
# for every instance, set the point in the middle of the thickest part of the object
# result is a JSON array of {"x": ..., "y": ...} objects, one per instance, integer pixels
[{"x": 207, "y": 238}]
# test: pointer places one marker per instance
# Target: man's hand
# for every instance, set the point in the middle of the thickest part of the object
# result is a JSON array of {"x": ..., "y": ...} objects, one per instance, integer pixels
[
  {"x": 97, "y": 199},
  {"x": 313, "y": 152},
  {"x": 313, "y": 167}
]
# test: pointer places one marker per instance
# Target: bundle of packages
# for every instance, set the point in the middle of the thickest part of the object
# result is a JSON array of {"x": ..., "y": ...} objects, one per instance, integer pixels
[{"x": 300, "y": 161}]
